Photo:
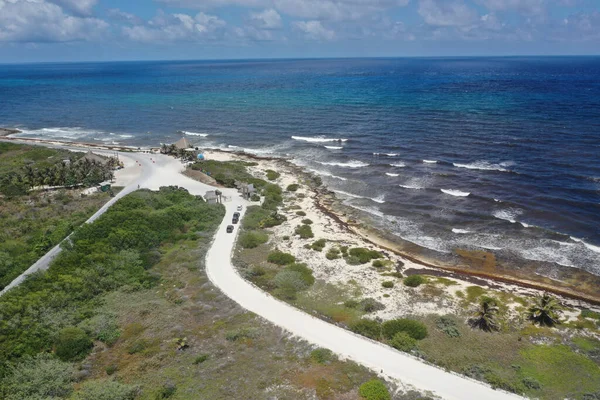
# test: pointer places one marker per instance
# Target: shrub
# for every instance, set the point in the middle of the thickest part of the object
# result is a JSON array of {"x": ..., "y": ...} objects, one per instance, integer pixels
[
  {"x": 531, "y": 383},
  {"x": 280, "y": 258},
  {"x": 137, "y": 347},
  {"x": 242, "y": 333},
  {"x": 403, "y": 342},
  {"x": 319, "y": 245},
  {"x": 370, "y": 305},
  {"x": 72, "y": 344},
  {"x": 106, "y": 390},
  {"x": 447, "y": 325},
  {"x": 290, "y": 281},
  {"x": 367, "y": 327},
  {"x": 102, "y": 327},
  {"x": 166, "y": 391},
  {"x": 364, "y": 255},
  {"x": 374, "y": 390},
  {"x": 39, "y": 377},
  {"x": 200, "y": 359},
  {"x": 414, "y": 280},
  {"x": 293, "y": 187},
  {"x": 272, "y": 175},
  {"x": 286, "y": 237},
  {"x": 110, "y": 369},
  {"x": 351, "y": 303},
  {"x": 387, "y": 284},
  {"x": 301, "y": 213},
  {"x": 333, "y": 254},
  {"x": 307, "y": 221},
  {"x": 304, "y": 231},
  {"x": 415, "y": 329},
  {"x": 252, "y": 239},
  {"x": 378, "y": 264},
  {"x": 322, "y": 356},
  {"x": 585, "y": 313},
  {"x": 304, "y": 271},
  {"x": 255, "y": 197}
]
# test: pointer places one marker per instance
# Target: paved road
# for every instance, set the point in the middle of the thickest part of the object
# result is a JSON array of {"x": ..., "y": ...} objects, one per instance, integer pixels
[{"x": 162, "y": 171}]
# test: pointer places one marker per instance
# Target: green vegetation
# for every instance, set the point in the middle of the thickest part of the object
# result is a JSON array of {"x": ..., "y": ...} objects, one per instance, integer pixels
[
  {"x": 545, "y": 311},
  {"x": 106, "y": 390},
  {"x": 374, "y": 390},
  {"x": 590, "y": 314},
  {"x": 414, "y": 280},
  {"x": 333, "y": 253},
  {"x": 319, "y": 245},
  {"x": 378, "y": 264},
  {"x": 322, "y": 356},
  {"x": 252, "y": 239},
  {"x": 448, "y": 325},
  {"x": 415, "y": 329},
  {"x": 280, "y": 258},
  {"x": 403, "y": 341},
  {"x": 272, "y": 175},
  {"x": 304, "y": 231},
  {"x": 387, "y": 284},
  {"x": 25, "y": 167},
  {"x": 307, "y": 221},
  {"x": 34, "y": 222},
  {"x": 301, "y": 213},
  {"x": 293, "y": 187},
  {"x": 228, "y": 172},
  {"x": 117, "y": 251},
  {"x": 366, "y": 327},
  {"x": 360, "y": 255},
  {"x": 485, "y": 318}
]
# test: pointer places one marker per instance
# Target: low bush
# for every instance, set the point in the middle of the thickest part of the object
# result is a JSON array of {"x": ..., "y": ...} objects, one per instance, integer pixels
[
  {"x": 319, "y": 245},
  {"x": 387, "y": 284},
  {"x": 293, "y": 187},
  {"x": 378, "y": 264},
  {"x": 137, "y": 347},
  {"x": 307, "y": 221},
  {"x": 166, "y": 391},
  {"x": 367, "y": 327},
  {"x": 272, "y": 175},
  {"x": 200, "y": 359},
  {"x": 286, "y": 237},
  {"x": 351, "y": 303},
  {"x": 242, "y": 333},
  {"x": 255, "y": 197},
  {"x": 374, "y": 390},
  {"x": 322, "y": 356},
  {"x": 301, "y": 213},
  {"x": 414, "y": 280},
  {"x": 290, "y": 281},
  {"x": 364, "y": 255},
  {"x": 415, "y": 329},
  {"x": 72, "y": 344},
  {"x": 448, "y": 325},
  {"x": 333, "y": 254},
  {"x": 403, "y": 341},
  {"x": 590, "y": 314},
  {"x": 304, "y": 271},
  {"x": 369, "y": 305},
  {"x": 106, "y": 390},
  {"x": 253, "y": 239},
  {"x": 531, "y": 383},
  {"x": 39, "y": 377},
  {"x": 111, "y": 369},
  {"x": 304, "y": 231},
  {"x": 280, "y": 258}
]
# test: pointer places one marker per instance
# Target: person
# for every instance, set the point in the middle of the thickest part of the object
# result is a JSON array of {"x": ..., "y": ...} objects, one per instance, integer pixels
[{"x": 138, "y": 185}]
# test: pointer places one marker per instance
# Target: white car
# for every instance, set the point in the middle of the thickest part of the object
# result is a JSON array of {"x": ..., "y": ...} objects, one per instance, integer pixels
[{"x": 240, "y": 208}]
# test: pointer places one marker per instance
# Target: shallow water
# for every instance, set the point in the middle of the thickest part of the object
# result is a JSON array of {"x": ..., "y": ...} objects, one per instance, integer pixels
[{"x": 491, "y": 153}]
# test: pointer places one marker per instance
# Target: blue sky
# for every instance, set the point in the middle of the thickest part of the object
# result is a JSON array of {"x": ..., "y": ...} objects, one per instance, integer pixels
[{"x": 89, "y": 30}]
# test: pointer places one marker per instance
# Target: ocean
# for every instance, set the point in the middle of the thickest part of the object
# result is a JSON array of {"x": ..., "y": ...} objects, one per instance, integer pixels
[{"x": 497, "y": 154}]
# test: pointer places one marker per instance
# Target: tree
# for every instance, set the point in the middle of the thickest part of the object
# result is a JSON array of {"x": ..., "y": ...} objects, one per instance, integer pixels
[
  {"x": 485, "y": 318},
  {"x": 72, "y": 344},
  {"x": 545, "y": 311},
  {"x": 164, "y": 149}
]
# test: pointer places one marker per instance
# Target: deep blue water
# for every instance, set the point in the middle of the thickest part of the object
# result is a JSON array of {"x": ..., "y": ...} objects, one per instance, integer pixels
[{"x": 520, "y": 135}]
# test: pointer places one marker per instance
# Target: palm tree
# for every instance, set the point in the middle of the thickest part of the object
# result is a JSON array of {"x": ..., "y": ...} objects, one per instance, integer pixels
[
  {"x": 30, "y": 175},
  {"x": 486, "y": 316},
  {"x": 164, "y": 148},
  {"x": 545, "y": 311}
]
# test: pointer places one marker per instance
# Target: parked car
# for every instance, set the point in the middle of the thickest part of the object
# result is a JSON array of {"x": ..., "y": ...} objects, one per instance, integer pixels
[
  {"x": 229, "y": 228},
  {"x": 236, "y": 215},
  {"x": 235, "y": 220},
  {"x": 240, "y": 208}
]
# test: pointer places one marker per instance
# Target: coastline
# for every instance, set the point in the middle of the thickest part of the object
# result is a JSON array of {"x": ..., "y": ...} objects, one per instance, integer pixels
[{"x": 572, "y": 283}]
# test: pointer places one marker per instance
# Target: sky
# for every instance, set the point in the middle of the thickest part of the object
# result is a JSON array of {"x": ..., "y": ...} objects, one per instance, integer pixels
[{"x": 106, "y": 30}]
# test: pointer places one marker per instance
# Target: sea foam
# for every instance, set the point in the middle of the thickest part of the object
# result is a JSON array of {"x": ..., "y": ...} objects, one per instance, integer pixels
[
  {"x": 456, "y": 193},
  {"x": 398, "y": 165},
  {"x": 349, "y": 164},
  {"x": 390, "y": 174},
  {"x": 484, "y": 166},
  {"x": 317, "y": 139},
  {"x": 194, "y": 133}
]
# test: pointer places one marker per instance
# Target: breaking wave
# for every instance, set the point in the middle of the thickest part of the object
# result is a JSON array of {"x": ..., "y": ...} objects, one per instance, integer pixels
[
  {"x": 349, "y": 164},
  {"x": 194, "y": 133},
  {"x": 456, "y": 193},
  {"x": 430, "y": 161},
  {"x": 317, "y": 139},
  {"x": 457, "y": 230},
  {"x": 398, "y": 165},
  {"x": 485, "y": 166},
  {"x": 334, "y": 147},
  {"x": 390, "y": 174}
]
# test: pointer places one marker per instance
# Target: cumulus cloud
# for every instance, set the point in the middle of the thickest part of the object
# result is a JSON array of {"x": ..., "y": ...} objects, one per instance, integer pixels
[
  {"x": 124, "y": 17},
  {"x": 314, "y": 30},
  {"x": 267, "y": 19},
  {"x": 446, "y": 13},
  {"x": 41, "y": 21},
  {"x": 529, "y": 7},
  {"x": 176, "y": 27}
]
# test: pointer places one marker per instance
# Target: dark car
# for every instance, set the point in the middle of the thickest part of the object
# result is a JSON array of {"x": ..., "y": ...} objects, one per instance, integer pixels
[
  {"x": 235, "y": 220},
  {"x": 229, "y": 228},
  {"x": 236, "y": 215}
]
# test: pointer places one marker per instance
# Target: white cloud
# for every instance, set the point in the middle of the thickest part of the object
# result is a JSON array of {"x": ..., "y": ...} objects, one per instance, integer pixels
[
  {"x": 446, "y": 13},
  {"x": 176, "y": 27},
  {"x": 314, "y": 30},
  {"x": 41, "y": 21},
  {"x": 125, "y": 17},
  {"x": 267, "y": 19},
  {"x": 528, "y": 7},
  {"x": 78, "y": 7}
]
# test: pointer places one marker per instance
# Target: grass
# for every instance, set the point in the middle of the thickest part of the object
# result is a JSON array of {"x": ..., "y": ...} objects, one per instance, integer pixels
[{"x": 227, "y": 172}]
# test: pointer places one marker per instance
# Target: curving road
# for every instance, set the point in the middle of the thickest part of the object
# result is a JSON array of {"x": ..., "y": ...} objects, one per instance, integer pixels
[{"x": 159, "y": 171}]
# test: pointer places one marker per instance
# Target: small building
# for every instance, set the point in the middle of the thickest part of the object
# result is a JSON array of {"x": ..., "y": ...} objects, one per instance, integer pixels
[
  {"x": 248, "y": 190},
  {"x": 183, "y": 143},
  {"x": 211, "y": 197}
]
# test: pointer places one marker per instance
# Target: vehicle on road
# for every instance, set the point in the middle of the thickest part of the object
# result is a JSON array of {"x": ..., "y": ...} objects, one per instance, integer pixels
[
  {"x": 240, "y": 208},
  {"x": 235, "y": 220},
  {"x": 236, "y": 215},
  {"x": 229, "y": 228}
]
